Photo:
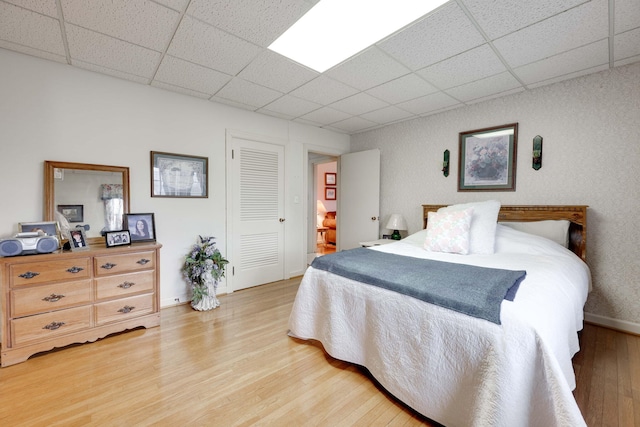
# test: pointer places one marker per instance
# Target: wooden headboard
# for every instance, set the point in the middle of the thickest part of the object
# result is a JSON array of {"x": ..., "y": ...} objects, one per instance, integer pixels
[{"x": 576, "y": 214}]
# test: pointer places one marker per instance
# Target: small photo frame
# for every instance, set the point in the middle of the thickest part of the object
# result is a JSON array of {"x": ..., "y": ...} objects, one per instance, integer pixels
[
  {"x": 141, "y": 226},
  {"x": 117, "y": 238},
  {"x": 329, "y": 193},
  {"x": 73, "y": 213},
  {"x": 178, "y": 175},
  {"x": 78, "y": 240},
  {"x": 50, "y": 228},
  {"x": 330, "y": 178}
]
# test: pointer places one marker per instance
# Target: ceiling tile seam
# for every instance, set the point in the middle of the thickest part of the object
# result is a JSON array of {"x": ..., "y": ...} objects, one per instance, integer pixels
[
  {"x": 611, "y": 32},
  {"x": 63, "y": 31},
  {"x": 490, "y": 43},
  {"x": 171, "y": 8},
  {"x": 202, "y": 21},
  {"x": 173, "y": 34}
]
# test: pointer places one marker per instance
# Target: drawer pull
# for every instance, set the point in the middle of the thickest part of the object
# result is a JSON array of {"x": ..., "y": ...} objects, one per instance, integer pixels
[
  {"x": 29, "y": 275},
  {"x": 74, "y": 270},
  {"x": 108, "y": 266},
  {"x": 143, "y": 261},
  {"x": 126, "y": 309},
  {"x": 53, "y": 326},
  {"x": 126, "y": 285},
  {"x": 53, "y": 298}
]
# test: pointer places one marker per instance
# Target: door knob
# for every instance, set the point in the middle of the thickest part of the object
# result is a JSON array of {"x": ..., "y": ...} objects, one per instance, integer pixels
[
  {"x": 281, "y": 220},
  {"x": 374, "y": 218}
]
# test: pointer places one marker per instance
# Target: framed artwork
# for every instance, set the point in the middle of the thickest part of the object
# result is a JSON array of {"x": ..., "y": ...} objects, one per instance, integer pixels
[
  {"x": 330, "y": 178},
  {"x": 487, "y": 159},
  {"x": 77, "y": 239},
  {"x": 177, "y": 175},
  {"x": 117, "y": 238},
  {"x": 73, "y": 213},
  {"x": 50, "y": 228},
  {"x": 329, "y": 193},
  {"x": 141, "y": 227}
]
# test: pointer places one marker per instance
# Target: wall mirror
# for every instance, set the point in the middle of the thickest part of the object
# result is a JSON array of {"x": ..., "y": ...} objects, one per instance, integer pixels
[{"x": 91, "y": 197}]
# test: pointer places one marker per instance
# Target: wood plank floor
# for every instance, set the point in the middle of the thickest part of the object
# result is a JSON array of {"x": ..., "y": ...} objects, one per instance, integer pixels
[{"x": 235, "y": 366}]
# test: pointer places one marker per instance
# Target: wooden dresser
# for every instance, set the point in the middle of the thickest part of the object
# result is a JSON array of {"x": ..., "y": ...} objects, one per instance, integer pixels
[{"x": 57, "y": 299}]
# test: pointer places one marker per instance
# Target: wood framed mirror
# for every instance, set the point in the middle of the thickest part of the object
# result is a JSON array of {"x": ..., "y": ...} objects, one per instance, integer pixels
[{"x": 87, "y": 196}]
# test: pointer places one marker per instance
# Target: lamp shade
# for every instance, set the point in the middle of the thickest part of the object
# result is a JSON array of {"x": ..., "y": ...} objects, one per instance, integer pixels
[
  {"x": 396, "y": 222},
  {"x": 320, "y": 208}
]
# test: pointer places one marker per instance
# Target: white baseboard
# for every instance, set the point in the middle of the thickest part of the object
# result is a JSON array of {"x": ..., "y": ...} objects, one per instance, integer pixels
[{"x": 608, "y": 322}]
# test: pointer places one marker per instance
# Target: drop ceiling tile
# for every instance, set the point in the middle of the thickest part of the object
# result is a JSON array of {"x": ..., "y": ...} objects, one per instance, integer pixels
[
  {"x": 179, "y": 89},
  {"x": 359, "y": 103},
  {"x": 426, "y": 104},
  {"x": 626, "y": 45},
  {"x": 33, "y": 52},
  {"x": 370, "y": 68},
  {"x": 177, "y": 5},
  {"x": 486, "y": 87},
  {"x": 248, "y": 93},
  {"x": 30, "y": 29},
  {"x": 495, "y": 95},
  {"x": 627, "y": 15},
  {"x": 110, "y": 72},
  {"x": 474, "y": 64},
  {"x": 291, "y": 106},
  {"x": 277, "y": 72},
  {"x": 353, "y": 124},
  {"x": 323, "y": 90},
  {"x": 46, "y": 7},
  {"x": 231, "y": 103},
  {"x": 511, "y": 15},
  {"x": 441, "y": 35},
  {"x": 570, "y": 76},
  {"x": 188, "y": 75},
  {"x": 583, "y": 58},
  {"x": 402, "y": 89},
  {"x": 203, "y": 44},
  {"x": 569, "y": 30},
  {"x": 386, "y": 115},
  {"x": 258, "y": 21},
  {"x": 141, "y": 22},
  {"x": 325, "y": 116},
  {"x": 111, "y": 53}
]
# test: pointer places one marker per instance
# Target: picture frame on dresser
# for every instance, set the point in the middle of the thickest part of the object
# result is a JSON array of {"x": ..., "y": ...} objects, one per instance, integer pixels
[
  {"x": 117, "y": 238},
  {"x": 50, "y": 228},
  {"x": 141, "y": 226},
  {"x": 78, "y": 240}
]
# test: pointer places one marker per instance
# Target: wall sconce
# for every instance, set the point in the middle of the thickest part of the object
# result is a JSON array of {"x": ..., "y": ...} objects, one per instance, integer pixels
[
  {"x": 445, "y": 163},
  {"x": 537, "y": 152}
]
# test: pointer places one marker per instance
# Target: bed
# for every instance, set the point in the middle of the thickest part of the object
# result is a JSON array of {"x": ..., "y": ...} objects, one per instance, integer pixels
[{"x": 453, "y": 368}]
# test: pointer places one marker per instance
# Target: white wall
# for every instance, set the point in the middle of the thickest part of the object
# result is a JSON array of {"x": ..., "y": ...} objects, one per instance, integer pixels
[
  {"x": 591, "y": 155},
  {"x": 50, "y": 111}
]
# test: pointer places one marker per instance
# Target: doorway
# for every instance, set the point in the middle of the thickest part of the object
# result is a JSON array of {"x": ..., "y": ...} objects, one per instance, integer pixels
[{"x": 323, "y": 205}]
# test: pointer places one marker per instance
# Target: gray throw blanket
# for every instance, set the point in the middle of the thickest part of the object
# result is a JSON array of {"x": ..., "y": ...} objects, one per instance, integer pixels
[{"x": 475, "y": 291}]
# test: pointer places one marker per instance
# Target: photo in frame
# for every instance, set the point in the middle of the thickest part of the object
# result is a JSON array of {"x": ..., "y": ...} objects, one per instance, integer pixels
[
  {"x": 330, "y": 178},
  {"x": 141, "y": 226},
  {"x": 329, "y": 193},
  {"x": 50, "y": 228},
  {"x": 177, "y": 175},
  {"x": 117, "y": 238},
  {"x": 78, "y": 240},
  {"x": 73, "y": 213},
  {"x": 487, "y": 159}
]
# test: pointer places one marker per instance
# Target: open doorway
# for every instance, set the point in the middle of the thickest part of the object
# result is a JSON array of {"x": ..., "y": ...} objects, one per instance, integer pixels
[{"x": 323, "y": 205}]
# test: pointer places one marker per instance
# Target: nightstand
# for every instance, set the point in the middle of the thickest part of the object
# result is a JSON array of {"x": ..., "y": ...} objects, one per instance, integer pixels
[{"x": 376, "y": 242}]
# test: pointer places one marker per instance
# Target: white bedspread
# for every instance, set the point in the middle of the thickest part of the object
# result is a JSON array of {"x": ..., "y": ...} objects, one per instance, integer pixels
[{"x": 453, "y": 368}]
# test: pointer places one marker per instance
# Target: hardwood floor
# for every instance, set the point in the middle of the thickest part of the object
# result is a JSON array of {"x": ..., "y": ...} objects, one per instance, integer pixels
[{"x": 235, "y": 366}]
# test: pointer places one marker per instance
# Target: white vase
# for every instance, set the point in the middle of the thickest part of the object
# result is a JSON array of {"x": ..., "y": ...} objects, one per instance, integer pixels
[{"x": 210, "y": 301}]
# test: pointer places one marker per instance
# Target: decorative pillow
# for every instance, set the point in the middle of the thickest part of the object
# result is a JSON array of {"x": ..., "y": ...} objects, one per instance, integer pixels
[
  {"x": 555, "y": 230},
  {"x": 448, "y": 232},
  {"x": 482, "y": 234}
]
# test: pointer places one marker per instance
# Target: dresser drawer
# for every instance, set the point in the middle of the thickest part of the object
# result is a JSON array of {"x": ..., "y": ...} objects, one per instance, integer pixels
[
  {"x": 125, "y": 284},
  {"x": 124, "y": 308},
  {"x": 50, "y": 325},
  {"x": 41, "y": 299},
  {"x": 49, "y": 271},
  {"x": 124, "y": 263}
]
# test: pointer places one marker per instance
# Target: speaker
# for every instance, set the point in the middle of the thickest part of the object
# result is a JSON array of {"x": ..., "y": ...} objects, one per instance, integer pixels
[
  {"x": 46, "y": 245},
  {"x": 10, "y": 247}
]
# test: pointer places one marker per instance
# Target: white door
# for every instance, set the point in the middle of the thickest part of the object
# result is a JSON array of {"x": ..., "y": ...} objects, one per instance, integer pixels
[
  {"x": 358, "y": 198},
  {"x": 256, "y": 215}
]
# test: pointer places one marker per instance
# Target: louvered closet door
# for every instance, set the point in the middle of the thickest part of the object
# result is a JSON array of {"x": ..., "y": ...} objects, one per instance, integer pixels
[{"x": 258, "y": 213}]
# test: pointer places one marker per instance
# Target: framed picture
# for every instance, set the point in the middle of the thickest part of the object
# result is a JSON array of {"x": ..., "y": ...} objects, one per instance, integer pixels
[
  {"x": 329, "y": 193},
  {"x": 50, "y": 228},
  {"x": 78, "y": 240},
  {"x": 141, "y": 226},
  {"x": 330, "y": 178},
  {"x": 73, "y": 213},
  {"x": 487, "y": 159},
  {"x": 177, "y": 175},
  {"x": 117, "y": 238}
]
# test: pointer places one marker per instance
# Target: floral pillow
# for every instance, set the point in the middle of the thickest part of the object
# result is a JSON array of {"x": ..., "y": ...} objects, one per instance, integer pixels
[{"x": 448, "y": 231}]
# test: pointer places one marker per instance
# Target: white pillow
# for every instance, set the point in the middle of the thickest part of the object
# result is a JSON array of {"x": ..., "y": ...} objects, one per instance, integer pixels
[
  {"x": 448, "y": 231},
  {"x": 555, "y": 230},
  {"x": 482, "y": 234}
]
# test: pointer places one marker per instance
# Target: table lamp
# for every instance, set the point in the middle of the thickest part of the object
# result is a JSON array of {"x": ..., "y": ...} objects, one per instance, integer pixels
[
  {"x": 396, "y": 223},
  {"x": 321, "y": 210}
]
